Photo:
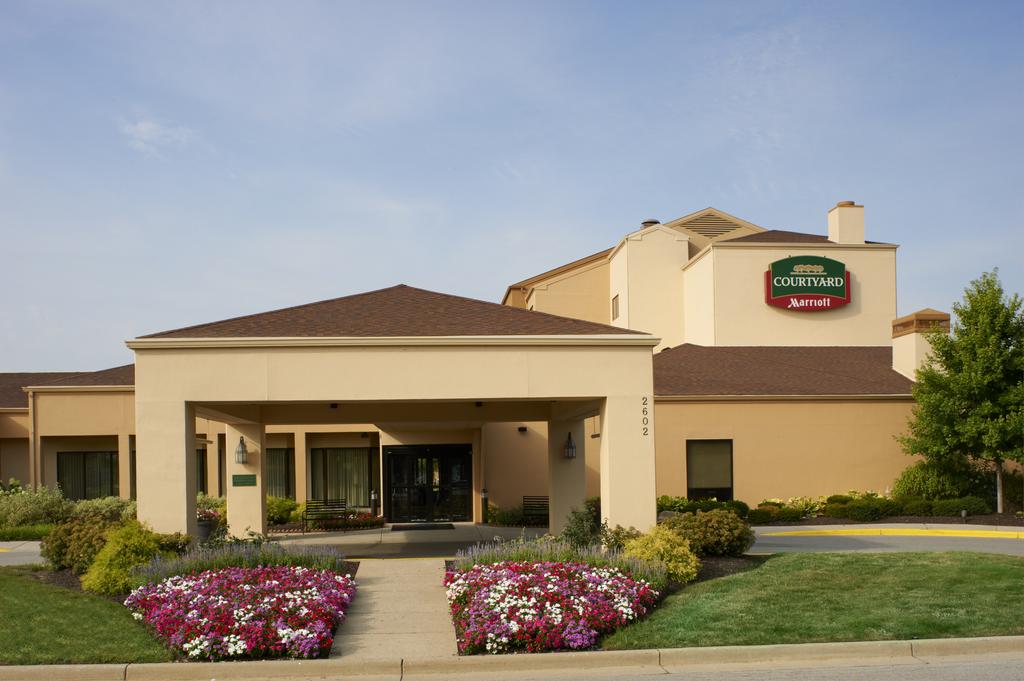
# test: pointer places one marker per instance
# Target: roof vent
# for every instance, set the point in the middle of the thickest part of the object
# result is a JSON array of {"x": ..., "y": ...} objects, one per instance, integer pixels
[
  {"x": 711, "y": 226},
  {"x": 650, "y": 222}
]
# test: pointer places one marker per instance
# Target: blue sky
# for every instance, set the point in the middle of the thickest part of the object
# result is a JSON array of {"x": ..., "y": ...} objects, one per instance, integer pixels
[{"x": 163, "y": 164}]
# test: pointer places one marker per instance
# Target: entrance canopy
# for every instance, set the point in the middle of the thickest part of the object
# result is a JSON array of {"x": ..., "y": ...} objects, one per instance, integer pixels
[{"x": 399, "y": 358}]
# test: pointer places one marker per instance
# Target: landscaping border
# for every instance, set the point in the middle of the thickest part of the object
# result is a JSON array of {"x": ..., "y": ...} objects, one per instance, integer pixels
[{"x": 669, "y": 660}]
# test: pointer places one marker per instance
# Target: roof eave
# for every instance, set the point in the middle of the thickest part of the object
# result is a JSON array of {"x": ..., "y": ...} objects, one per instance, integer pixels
[
  {"x": 840, "y": 397},
  {"x": 625, "y": 339}
]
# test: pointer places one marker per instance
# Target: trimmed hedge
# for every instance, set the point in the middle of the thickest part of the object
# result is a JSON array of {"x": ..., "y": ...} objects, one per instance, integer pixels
[
  {"x": 684, "y": 505},
  {"x": 952, "y": 507},
  {"x": 715, "y": 533}
]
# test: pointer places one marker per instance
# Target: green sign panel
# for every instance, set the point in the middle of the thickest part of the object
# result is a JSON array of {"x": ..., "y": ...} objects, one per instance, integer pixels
[
  {"x": 243, "y": 480},
  {"x": 807, "y": 283}
]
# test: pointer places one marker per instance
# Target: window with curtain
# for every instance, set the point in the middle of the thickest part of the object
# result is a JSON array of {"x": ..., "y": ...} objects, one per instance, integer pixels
[
  {"x": 342, "y": 473},
  {"x": 280, "y": 472},
  {"x": 87, "y": 475},
  {"x": 709, "y": 469},
  {"x": 202, "y": 483}
]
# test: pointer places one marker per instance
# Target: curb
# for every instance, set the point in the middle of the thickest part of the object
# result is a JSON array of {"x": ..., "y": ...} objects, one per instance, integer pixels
[{"x": 671, "y": 660}]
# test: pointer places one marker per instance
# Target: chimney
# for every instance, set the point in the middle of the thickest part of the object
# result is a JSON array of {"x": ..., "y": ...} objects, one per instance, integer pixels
[
  {"x": 649, "y": 222},
  {"x": 910, "y": 347},
  {"x": 846, "y": 223}
]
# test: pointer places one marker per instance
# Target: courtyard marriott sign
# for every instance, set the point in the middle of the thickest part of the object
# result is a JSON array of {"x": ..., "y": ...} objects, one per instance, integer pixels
[{"x": 807, "y": 283}]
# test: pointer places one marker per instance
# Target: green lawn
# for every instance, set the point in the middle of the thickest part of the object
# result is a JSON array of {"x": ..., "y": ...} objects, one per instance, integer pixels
[
  {"x": 801, "y": 598},
  {"x": 46, "y": 624}
]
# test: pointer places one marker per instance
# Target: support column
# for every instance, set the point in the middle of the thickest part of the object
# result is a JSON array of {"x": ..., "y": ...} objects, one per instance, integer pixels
[
  {"x": 567, "y": 478},
  {"x": 627, "y": 462},
  {"x": 301, "y": 467},
  {"x": 213, "y": 462},
  {"x": 124, "y": 465},
  {"x": 165, "y": 465},
  {"x": 246, "y": 493}
]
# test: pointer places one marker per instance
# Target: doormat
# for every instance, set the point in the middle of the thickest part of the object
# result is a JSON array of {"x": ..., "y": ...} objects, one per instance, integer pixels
[{"x": 404, "y": 527}]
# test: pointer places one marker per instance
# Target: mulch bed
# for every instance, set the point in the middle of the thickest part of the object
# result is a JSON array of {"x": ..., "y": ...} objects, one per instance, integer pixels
[
  {"x": 713, "y": 567},
  {"x": 991, "y": 519}
]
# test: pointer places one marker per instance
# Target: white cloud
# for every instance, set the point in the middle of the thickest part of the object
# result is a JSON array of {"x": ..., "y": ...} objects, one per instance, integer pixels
[{"x": 150, "y": 137}]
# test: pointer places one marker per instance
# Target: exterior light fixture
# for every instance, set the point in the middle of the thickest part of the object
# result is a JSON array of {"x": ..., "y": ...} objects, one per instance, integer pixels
[
  {"x": 570, "y": 448},
  {"x": 241, "y": 453}
]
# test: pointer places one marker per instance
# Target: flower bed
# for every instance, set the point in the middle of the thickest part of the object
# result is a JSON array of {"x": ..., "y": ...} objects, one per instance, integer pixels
[
  {"x": 281, "y": 611},
  {"x": 537, "y": 606}
]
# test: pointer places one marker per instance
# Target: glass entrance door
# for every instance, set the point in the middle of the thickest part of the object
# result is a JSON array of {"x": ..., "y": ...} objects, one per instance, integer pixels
[{"x": 429, "y": 483}]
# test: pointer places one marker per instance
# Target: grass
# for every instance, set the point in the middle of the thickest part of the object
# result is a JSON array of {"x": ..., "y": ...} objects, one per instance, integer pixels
[
  {"x": 45, "y": 624},
  {"x": 815, "y": 597},
  {"x": 25, "y": 532}
]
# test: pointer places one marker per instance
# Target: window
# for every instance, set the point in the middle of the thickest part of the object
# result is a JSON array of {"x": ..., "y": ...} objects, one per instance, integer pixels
[
  {"x": 615, "y": 307},
  {"x": 342, "y": 473},
  {"x": 709, "y": 469},
  {"x": 131, "y": 475},
  {"x": 222, "y": 465},
  {"x": 281, "y": 472},
  {"x": 87, "y": 475},
  {"x": 202, "y": 484}
]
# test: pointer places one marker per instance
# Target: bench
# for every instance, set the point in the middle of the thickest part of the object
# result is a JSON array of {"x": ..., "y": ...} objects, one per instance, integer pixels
[
  {"x": 323, "y": 509},
  {"x": 535, "y": 510}
]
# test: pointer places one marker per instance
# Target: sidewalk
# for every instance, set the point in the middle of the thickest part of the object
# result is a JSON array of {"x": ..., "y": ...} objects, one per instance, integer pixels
[{"x": 400, "y": 610}]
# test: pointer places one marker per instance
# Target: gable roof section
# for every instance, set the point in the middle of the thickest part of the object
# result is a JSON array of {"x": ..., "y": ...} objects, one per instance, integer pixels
[
  {"x": 11, "y": 394},
  {"x": 537, "y": 278},
  {"x": 394, "y": 312},
  {"x": 711, "y": 223},
  {"x": 689, "y": 370},
  {"x": 117, "y": 376}
]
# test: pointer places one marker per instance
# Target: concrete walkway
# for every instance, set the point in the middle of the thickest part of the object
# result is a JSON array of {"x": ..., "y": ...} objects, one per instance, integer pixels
[{"x": 400, "y": 611}]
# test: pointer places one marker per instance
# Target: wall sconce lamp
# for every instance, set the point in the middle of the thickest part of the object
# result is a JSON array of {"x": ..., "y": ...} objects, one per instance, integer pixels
[
  {"x": 570, "y": 448},
  {"x": 241, "y": 453}
]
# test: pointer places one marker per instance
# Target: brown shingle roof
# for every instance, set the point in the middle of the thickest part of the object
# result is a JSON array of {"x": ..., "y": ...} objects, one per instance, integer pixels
[
  {"x": 722, "y": 370},
  {"x": 397, "y": 311},
  {"x": 782, "y": 236},
  {"x": 122, "y": 375},
  {"x": 11, "y": 394}
]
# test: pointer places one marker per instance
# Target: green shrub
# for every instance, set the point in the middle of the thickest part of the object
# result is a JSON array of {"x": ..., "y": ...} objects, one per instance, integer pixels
[
  {"x": 552, "y": 549},
  {"x": 74, "y": 544},
  {"x": 839, "y": 499},
  {"x": 279, "y": 509},
  {"x": 241, "y": 554},
  {"x": 789, "y": 514},
  {"x": 506, "y": 517},
  {"x": 952, "y": 507},
  {"x": 128, "y": 547},
  {"x": 25, "y": 532},
  {"x": 835, "y": 510},
  {"x": 715, "y": 533},
  {"x": 108, "y": 509},
  {"x": 593, "y": 504},
  {"x": 759, "y": 516},
  {"x": 665, "y": 545},
  {"x": 927, "y": 480},
  {"x": 296, "y": 515},
  {"x": 773, "y": 503},
  {"x": 615, "y": 538},
  {"x": 921, "y": 507},
  {"x": 863, "y": 510},
  {"x": 808, "y": 507},
  {"x": 582, "y": 529},
  {"x": 684, "y": 505},
  {"x": 23, "y": 506}
]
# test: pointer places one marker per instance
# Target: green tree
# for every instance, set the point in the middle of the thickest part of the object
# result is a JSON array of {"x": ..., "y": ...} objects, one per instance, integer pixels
[{"x": 970, "y": 396}]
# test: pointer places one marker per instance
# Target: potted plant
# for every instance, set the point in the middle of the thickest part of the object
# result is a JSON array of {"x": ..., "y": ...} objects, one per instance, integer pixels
[{"x": 208, "y": 519}]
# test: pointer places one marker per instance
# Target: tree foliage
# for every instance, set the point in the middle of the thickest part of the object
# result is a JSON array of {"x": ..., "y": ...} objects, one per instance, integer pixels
[{"x": 970, "y": 396}]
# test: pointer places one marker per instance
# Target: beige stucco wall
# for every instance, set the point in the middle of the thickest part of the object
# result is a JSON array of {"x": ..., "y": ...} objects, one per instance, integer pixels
[
  {"x": 699, "y": 300},
  {"x": 788, "y": 448},
  {"x": 618, "y": 285},
  {"x": 581, "y": 293},
  {"x": 910, "y": 352},
  {"x": 515, "y": 464},
  {"x": 84, "y": 413},
  {"x": 14, "y": 423},
  {"x": 655, "y": 259},
  {"x": 169, "y": 379},
  {"x": 14, "y": 462},
  {"x": 743, "y": 318}
]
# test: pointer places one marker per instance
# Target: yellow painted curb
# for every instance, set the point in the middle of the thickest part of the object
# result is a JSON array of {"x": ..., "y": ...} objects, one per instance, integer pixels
[
  {"x": 4, "y": 550},
  {"x": 899, "y": 532}
]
